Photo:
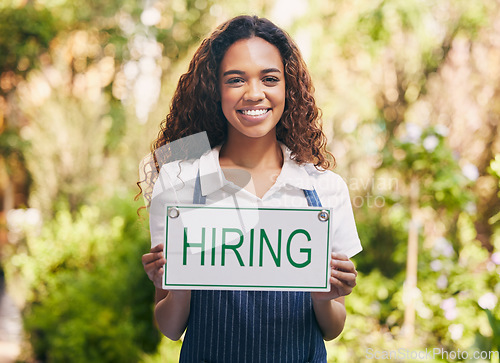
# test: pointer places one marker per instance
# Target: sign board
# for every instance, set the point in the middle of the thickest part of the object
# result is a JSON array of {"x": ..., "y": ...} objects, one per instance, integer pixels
[{"x": 221, "y": 248}]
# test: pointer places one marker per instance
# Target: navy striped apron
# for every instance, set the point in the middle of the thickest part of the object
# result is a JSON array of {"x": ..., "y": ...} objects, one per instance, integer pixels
[{"x": 252, "y": 326}]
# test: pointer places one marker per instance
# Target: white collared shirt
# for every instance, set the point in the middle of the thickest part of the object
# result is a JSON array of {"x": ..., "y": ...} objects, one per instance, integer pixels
[{"x": 175, "y": 185}]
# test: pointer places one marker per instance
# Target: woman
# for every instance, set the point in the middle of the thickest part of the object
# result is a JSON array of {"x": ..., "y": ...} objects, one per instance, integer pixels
[{"x": 248, "y": 88}]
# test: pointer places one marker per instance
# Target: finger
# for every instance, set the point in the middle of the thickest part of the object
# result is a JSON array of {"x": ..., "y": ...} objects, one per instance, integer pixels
[
  {"x": 157, "y": 248},
  {"x": 149, "y": 258},
  {"x": 159, "y": 278},
  {"x": 153, "y": 267},
  {"x": 346, "y": 277},
  {"x": 336, "y": 282},
  {"x": 155, "y": 277},
  {"x": 341, "y": 287},
  {"x": 339, "y": 256},
  {"x": 160, "y": 262},
  {"x": 340, "y": 265}
]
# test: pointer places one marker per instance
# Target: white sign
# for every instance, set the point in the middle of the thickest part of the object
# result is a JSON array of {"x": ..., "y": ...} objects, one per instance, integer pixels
[{"x": 220, "y": 248}]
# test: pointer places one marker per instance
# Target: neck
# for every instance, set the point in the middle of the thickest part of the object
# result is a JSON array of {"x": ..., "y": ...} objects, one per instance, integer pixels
[{"x": 252, "y": 153}]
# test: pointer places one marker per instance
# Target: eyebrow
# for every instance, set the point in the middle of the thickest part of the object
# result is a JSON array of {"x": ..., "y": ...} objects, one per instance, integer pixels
[{"x": 241, "y": 73}]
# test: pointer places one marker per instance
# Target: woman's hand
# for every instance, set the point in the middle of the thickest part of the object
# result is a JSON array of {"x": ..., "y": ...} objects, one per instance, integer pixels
[
  {"x": 154, "y": 263},
  {"x": 342, "y": 278},
  {"x": 171, "y": 306}
]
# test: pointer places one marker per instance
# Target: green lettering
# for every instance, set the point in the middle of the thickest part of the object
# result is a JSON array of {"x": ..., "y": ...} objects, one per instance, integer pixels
[
  {"x": 276, "y": 256},
  {"x": 231, "y": 247},
  {"x": 191, "y": 245},
  {"x": 303, "y": 250},
  {"x": 213, "y": 246},
  {"x": 251, "y": 246}
]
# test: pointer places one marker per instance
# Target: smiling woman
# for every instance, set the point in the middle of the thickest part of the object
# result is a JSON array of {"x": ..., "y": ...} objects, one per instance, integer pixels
[
  {"x": 248, "y": 88},
  {"x": 252, "y": 87},
  {"x": 252, "y": 92}
]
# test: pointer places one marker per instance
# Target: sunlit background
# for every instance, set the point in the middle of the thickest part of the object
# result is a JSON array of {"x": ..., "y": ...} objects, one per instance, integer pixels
[{"x": 410, "y": 93}]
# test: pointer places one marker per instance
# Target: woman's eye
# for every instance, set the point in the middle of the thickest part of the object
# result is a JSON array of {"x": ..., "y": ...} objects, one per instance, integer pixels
[
  {"x": 271, "y": 80},
  {"x": 234, "y": 81}
]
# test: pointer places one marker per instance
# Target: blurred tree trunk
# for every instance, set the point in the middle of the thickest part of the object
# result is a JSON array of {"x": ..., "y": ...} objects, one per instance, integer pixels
[
  {"x": 411, "y": 263},
  {"x": 7, "y": 205}
]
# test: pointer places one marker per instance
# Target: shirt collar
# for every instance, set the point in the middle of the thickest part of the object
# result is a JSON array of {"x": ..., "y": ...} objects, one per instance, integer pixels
[
  {"x": 292, "y": 173},
  {"x": 212, "y": 177}
]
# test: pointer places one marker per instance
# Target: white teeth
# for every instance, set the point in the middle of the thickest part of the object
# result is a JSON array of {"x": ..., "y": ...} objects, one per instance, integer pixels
[{"x": 254, "y": 112}]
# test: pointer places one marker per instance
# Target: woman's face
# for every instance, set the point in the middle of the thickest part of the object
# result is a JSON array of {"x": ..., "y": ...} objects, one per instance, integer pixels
[{"x": 252, "y": 88}]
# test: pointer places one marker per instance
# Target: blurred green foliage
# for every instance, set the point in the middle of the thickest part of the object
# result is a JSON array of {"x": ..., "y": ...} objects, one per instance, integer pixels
[
  {"x": 24, "y": 35},
  {"x": 88, "y": 298},
  {"x": 441, "y": 181}
]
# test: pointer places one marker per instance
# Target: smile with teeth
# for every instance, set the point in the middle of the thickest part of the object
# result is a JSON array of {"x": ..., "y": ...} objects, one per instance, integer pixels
[{"x": 254, "y": 112}]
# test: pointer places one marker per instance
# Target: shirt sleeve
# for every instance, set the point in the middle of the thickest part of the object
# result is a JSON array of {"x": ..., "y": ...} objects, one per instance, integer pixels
[
  {"x": 344, "y": 235},
  {"x": 163, "y": 194}
]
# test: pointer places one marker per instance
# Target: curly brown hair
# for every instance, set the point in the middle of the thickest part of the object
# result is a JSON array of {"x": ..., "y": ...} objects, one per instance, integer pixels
[{"x": 196, "y": 104}]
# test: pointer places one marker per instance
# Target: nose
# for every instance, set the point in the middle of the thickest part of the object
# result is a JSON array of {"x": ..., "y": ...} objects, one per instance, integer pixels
[{"x": 254, "y": 91}]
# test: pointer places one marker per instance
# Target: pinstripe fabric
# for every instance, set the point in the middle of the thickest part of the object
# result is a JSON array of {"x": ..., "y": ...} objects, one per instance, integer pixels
[{"x": 252, "y": 326}]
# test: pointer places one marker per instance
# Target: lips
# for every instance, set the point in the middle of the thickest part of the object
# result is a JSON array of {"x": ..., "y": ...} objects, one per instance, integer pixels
[{"x": 255, "y": 115}]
